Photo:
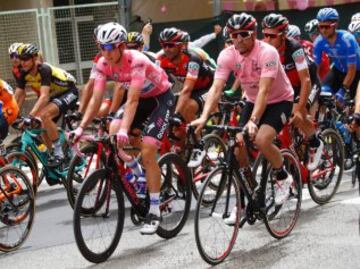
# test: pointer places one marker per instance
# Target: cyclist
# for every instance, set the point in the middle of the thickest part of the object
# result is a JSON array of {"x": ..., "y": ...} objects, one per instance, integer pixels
[
  {"x": 343, "y": 50},
  {"x": 311, "y": 28},
  {"x": 149, "y": 99},
  {"x": 354, "y": 28},
  {"x": 14, "y": 58},
  {"x": 296, "y": 65},
  {"x": 107, "y": 106},
  {"x": 9, "y": 108},
  {"x": 355, "y": 126},
  {"x": 56, "y": 91},
  {"x": 267, "y": 89}
]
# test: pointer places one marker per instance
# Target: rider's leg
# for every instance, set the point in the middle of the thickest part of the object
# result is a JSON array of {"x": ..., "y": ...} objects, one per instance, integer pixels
[{"x": 51, "y": 136}]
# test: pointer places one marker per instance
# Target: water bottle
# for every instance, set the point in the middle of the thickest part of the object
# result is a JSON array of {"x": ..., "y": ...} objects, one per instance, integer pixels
[
  {"x": 141, "y": 184},
  {"x": 135, "y": 167},
  {"x": 345, "y": 133},
  {"x": 42, "y": 148}
]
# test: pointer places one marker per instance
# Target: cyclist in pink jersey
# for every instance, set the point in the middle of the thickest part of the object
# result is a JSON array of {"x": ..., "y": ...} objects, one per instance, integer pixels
[
  {"x": 149, "y": 99},
  {"x": 267, "y": 89}
]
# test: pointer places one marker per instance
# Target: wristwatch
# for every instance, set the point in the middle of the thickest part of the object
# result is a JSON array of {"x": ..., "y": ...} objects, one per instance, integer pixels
[{"x": 255, "y": 120}]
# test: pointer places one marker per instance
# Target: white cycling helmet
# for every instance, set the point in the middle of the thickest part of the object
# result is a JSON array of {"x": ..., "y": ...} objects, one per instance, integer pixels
[
  {"x": 355, "y": 17},
  {"x": 13, "y": 47},
  {"x": 354, "y": 27},
  {"x": 111, "y": 33},
  {"x": 293, "y": 31}
]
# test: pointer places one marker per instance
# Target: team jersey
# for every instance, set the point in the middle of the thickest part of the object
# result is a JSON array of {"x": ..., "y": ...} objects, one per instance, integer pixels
[
  {"x": 190, "y": 67},
  {"x": 16, "y": 71},
  {"x": 204, "y": 56},
  {"x": 324, "y": 67},
  {"x": 135, "y": 70},
  {"x": 343, "y": 52},
  {"x": 10, "y": 108},
  {"x": 262, "y": 62},
  {"x": 58, "y": 79},
  {"x": 93, "y": 68},
  {"x": 293, "y": 59}
]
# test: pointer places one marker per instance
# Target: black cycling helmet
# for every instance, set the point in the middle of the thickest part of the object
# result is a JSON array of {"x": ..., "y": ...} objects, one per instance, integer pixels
[
  {"x": 242, "y": 21},
  {"x": 27, "y": 50},
  {"x": 171, "y": 35},
  {"x": 135, "y": 37},
  {"x": 311, "y": 27},
  {"x": 226, "y": 35},
  {"x": 275, "y": 21}
]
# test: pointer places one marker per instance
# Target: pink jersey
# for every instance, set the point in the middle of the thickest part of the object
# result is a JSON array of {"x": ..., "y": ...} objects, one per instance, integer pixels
[
  {"x": 263, "y": 61},
  {"x": 134, "y": 71}
]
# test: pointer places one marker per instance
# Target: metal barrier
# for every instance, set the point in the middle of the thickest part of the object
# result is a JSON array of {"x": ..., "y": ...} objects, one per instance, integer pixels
[{"x": 64, "y": 34}]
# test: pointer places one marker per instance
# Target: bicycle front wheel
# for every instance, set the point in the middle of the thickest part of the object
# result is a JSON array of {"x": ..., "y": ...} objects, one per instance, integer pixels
[
  {"x": 17, "y": 208},
  {"x": 97, "y": 234},
  {"x": 325, "y": 179},
  {"x": 281, "y": 219},
  {"x": 215, "y": 237}
]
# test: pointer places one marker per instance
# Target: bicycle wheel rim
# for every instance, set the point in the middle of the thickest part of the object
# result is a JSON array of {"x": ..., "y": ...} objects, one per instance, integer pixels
[
  {"x": 214, "y": 238},
  {"x": 281, "y": 219},
  {"x": 16, "y": 218},
  {"x": 97, "y": 235}
]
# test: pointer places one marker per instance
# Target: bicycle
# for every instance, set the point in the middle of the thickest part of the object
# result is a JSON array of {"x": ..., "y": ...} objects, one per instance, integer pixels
[
  {"x": 17, "y": 208},
  {"x": 105, "y": 187},
  {"x": 225, "y": 202}
]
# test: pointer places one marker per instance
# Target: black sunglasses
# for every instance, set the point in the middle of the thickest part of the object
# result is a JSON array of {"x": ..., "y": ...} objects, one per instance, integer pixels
[
  {"x": 132, "y": 46},
  {"x": 14, "y": 55},
  {"x": 243, "y": 35},
  {"x": 271, "y": 36},
  {"x": 169, "y": 45}
]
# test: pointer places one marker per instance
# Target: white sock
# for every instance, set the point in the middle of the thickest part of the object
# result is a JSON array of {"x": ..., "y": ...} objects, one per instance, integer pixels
[{"x": 155, "y": 203}]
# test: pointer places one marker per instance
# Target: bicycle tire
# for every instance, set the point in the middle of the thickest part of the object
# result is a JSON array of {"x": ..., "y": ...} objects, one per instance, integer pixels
[
  {"x": 73, "y": 173},
  {"x": 319, "y": 189},
  {"x": 201, "y": 212},
  {"x": 208, "y": 163},
  {"x": 6, "y": 212},
  {"x": 98, "y": 177},
  {"x": 275, "y": 212},
  {"x": 23, "y": 159},
  {"x": 176, "y": 194}
]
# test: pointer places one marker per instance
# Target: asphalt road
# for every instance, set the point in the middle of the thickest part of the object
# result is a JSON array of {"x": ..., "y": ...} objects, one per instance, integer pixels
[{"x": 325, "y": 236}]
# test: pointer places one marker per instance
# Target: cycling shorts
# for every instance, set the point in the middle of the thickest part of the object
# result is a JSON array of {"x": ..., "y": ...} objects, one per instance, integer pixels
[{"x": 275, "y": 115}]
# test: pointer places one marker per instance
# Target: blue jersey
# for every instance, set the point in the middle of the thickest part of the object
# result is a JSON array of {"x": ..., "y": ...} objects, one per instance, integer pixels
[{"x": 343, "y": 52}]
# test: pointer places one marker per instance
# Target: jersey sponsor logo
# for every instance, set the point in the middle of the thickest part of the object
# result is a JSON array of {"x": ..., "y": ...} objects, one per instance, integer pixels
[
  {"x": 288, "y": 66},
  {"x": 299, "y": 56},
  {"x": 150, "y": 127},
  {"x": 164, "y": 127},
  {"x": 270, "y": 64},
  {"x": 193, "y": 69}
]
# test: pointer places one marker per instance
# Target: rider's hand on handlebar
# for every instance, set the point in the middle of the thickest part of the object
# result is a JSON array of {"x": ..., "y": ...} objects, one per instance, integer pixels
[
  {"x": 252, "y": 129},
  {"x": 75, "y": 135},
  {"x": 122, "y": 138},
  {"x": 199, "y": 124}
]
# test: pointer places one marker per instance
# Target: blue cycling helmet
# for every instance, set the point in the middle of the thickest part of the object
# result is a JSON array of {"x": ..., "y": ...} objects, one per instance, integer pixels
[{"x": 327, "y": 14}]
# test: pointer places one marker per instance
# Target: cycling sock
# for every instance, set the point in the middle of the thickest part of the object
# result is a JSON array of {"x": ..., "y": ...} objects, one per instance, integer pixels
[
  {"x": 155, "y": 203},
  {"x": 314, "y": 141},
  {"x": 57, "y": 148},
  {"x": 280, "y": 173}
]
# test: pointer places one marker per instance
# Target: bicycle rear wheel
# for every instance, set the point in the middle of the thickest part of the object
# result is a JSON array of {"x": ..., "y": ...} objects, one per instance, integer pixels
[
  {"x": 17, "y": 208},
  {"x": 97, "y": 234},
  {"x": 175, "y": 194},
  {"x": 281, "y": 219},
  {"x": 80, "y": 168},
  {"x": 214, "y": 238},
  {"x": 215, "y": 152},
  {"x": 325, "y": 180}
]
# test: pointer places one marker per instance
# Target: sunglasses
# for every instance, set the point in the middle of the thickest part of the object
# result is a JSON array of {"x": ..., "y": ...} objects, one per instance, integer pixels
[
  {"x": 25, "y": 58},
  {"x": 326, "y": 26},
  {"x": 132, "y": 46},
  {"x": 243, "y": 35},
  {"x": 271, "y": 36},
  {"x": 169, "y": 45},
  {"x": 14, "y": 55},
  {"x": 108, "y": 47}
]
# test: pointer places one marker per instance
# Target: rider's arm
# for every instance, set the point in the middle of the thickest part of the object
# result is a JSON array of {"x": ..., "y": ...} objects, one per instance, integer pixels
[
  {"x": 20, "y": 96},
  {"x": 86, "y": 94},
  {"x": 213, "y": 97},
  {"x": 357, "y": 99},
  {"x": 305, "y": 89},
  {"x": 42, "y": 101},
  {"x": 265, "y": 84},
  {"x": 318, "y": 51},
  {"x": 350, "y": 75},
  {"x": 185, "y": 94},
  {"x": 131, "y": 104},
  {"x": 117, "y": 98}
]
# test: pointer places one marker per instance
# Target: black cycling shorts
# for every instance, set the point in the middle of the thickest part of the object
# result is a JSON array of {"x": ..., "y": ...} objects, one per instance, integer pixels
[
  {"x": 67, "y": 100},
  {"x": 275, "y": 115},
  {"x": 152, "y": 116},
  {"x": 199, "y": 96}
]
